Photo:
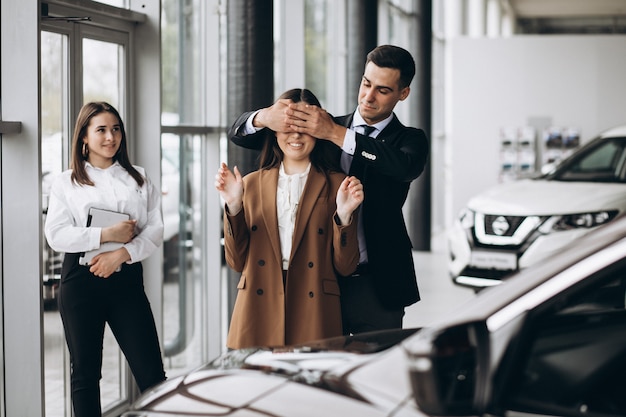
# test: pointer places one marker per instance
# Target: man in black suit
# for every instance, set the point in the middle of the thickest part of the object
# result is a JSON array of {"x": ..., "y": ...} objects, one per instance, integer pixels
[{"x": 386, "y": 161}]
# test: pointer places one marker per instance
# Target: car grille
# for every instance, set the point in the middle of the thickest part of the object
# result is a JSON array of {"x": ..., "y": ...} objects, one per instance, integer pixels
[
  {"x": 493, "y": 219},
  {"x": 486, "y": 273},
  {"x": 499, "y": 230}
]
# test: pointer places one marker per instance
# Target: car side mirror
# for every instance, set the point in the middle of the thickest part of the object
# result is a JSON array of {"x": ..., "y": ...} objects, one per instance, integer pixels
[
  {"x": 447, "y": 369},
  {"x": 548, "y": 168}
]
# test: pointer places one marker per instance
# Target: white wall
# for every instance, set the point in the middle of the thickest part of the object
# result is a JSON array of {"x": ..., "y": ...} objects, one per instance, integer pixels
[{"x": 573, "y": 81}]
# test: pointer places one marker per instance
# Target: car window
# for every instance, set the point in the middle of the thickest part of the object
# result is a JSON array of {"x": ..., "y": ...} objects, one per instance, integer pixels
[
  {"x": 604, "y": 161},
  {"x": 572, "y": 356}
]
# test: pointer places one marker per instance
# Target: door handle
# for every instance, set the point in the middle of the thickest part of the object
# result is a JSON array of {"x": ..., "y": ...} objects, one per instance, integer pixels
[{"x": 10, "y": 127}]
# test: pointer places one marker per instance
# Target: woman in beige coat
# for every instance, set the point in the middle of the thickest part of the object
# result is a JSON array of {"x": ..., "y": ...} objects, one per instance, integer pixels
[{"x": 289, "y": 228}]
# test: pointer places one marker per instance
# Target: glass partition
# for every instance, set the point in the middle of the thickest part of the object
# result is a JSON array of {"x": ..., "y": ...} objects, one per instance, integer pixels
[
  {"x": 55, "y": 133},
  {"x": 103, "y": 68},
  {"x": 103, "y": 80},
  {"x": 192, "y": 103},
  {"x": 85, "y": 62},
  {"x": 181, "y": 182}
]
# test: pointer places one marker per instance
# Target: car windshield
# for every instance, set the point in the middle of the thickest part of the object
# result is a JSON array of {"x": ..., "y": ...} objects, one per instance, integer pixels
[{"x": 602, "y": 160}]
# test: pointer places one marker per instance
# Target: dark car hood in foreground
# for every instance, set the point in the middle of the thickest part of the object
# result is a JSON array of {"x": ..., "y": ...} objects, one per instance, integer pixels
[{"x": 279, "y": 381}]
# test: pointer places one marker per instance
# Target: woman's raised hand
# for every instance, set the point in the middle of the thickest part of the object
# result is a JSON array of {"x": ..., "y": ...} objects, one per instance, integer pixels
[
  {"x": 349, "y": 196},
  {"x": 230, "y": 186}
]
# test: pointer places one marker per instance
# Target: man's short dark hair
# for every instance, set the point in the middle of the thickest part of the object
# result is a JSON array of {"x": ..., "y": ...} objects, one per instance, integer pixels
[{"x": 391, "y": 56}]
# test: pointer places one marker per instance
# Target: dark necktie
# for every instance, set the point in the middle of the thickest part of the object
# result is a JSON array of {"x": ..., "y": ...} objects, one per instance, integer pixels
[
  {"x": 367, "y": 130},
  {"x": 357, "y": 169}
]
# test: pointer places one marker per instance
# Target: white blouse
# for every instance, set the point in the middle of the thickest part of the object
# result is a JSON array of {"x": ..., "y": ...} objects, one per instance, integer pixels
[
  {"x": 288, "y": 195},
  {"x": 114, "y": 189}
]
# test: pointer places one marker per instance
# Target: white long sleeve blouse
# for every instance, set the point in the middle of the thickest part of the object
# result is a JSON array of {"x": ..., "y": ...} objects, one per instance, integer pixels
[
  {"x": 288, "y": 195},
  {"x": 66, "y": 221}
]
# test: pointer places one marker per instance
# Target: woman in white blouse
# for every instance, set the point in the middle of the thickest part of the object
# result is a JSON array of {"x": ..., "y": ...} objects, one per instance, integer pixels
[
  {"x": 289, "y": 228},
  {"x": 110, "y": 288}
]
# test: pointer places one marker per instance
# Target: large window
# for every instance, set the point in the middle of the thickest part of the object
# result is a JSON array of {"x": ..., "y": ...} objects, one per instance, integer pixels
[
  {"x": 79, "y": 63},
  {"x": 316, "y": 45},
  {"x": 190, "y": 147},
  {"x": 92, "y": 60},
  {"x": 55, "y": 131}
]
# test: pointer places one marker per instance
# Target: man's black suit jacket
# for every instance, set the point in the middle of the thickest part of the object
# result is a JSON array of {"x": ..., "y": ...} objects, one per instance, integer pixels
[{"x": 386, "y": 166}]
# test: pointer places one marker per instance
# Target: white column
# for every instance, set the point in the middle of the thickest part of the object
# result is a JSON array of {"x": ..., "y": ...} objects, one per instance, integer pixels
[
  {"x": 289, "y": 36},
  {"x": 453, "y": 18},
  {"x": 476, "y": 18},
  {"x": 20, "y": 270},
  {"x": 507, "y": 19},
  {"x": 453, "y": 29},
  {"x": 146, "y": 108},
  {"x": 493, "y": 18}
]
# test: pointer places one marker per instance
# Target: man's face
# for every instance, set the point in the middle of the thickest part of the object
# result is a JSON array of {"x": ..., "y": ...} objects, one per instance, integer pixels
[{"x": 379, "y": 92}]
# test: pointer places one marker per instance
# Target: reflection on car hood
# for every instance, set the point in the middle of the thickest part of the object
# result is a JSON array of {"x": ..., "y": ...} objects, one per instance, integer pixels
[
  {"x": 542, "y": 197},
  {"x": 250, "y": 394},
  {"x": 313, "y": 362},
  {"x": 260, "y": 379}
]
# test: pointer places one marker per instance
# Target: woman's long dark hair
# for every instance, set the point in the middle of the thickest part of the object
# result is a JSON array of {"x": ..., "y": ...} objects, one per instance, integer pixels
[
  {"x": 87, "y": 112},
  {"x": 325, "y": 154}
]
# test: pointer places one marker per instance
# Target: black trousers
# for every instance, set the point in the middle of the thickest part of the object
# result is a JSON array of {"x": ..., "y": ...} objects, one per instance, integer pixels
[
  {"x": 86, "y": 303},
  {"x": 361, "y": 309}
]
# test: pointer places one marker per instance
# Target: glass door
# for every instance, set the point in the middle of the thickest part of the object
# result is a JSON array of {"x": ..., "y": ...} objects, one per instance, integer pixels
[
  {"x": 92, "y": 63},
  {"x": 54, "y": 152},
  {"x": 103, "y": 58},
  {"x": 103, "y": 65}
]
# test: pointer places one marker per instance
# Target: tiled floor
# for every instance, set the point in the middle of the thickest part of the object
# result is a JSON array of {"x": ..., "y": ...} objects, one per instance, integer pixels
[{"x": 438, "y": 294}]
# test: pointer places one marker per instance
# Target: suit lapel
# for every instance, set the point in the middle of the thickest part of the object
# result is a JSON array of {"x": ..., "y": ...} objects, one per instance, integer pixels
[
  {"x": 391, "y": 129},
  {"x": 268, "y": 185},
  {"x": 346, "y": 121},
  {"x": 312, "y": 190},
  {"x": 357, "y": 167}
]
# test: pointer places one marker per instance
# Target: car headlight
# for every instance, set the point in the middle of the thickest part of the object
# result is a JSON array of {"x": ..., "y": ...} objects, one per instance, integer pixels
[
  {"x": 579, "y": 220},
  {"x": 466, "y": 218}
]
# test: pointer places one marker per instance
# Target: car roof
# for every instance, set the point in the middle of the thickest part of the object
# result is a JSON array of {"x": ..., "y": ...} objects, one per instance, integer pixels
[
  {"x": 614, "y": 132},
  {"x": 493, "y": 299}
]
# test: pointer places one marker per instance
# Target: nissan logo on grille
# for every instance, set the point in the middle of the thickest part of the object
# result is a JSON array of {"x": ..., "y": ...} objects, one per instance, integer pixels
[{"x": 500, "y": 225}]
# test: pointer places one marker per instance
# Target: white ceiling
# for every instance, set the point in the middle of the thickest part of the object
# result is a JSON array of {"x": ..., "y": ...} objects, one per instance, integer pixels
[
  {"x": 568, "y": 8},
  {"x": 568, "y": 16}
]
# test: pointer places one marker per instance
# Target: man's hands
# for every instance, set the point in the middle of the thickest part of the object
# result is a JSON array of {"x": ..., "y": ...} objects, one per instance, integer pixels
[
  {"x": 349, "y": 197},
  {"x": 286, "y": 116},
  {"x": 274, "y": 117},
  {"x": 315, "y": 121}
]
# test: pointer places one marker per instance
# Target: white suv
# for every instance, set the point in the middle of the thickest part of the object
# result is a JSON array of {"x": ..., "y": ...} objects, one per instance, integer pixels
[{"x": 516, "y": 224}]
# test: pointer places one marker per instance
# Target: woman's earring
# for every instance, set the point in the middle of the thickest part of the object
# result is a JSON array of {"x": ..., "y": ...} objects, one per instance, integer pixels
[{"x": 85, "y": 150}]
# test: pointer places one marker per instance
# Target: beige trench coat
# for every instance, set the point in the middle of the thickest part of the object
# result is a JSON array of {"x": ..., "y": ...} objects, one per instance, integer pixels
[{"x": 307, "y": 307}]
